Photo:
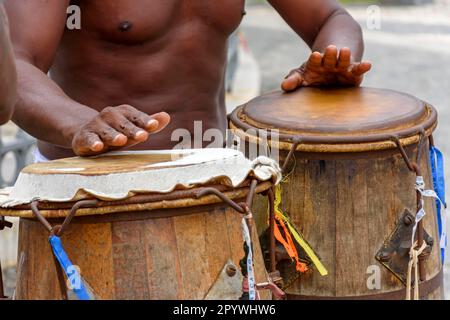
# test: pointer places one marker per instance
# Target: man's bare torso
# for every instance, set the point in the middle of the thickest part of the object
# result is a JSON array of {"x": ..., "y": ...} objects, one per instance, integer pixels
[{"x": 164, "y": 55}]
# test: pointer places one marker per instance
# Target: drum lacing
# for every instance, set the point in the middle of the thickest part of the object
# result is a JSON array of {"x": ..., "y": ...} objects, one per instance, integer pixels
[
  {"x": 249, "y": 287},
  {"x": 416, "y": 255},
  {"x": 58, "y": 230},
  {"x": 61, "y": 260}
]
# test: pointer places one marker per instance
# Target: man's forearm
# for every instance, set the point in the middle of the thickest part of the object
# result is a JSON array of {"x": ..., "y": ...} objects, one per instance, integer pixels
[
  {"x": 349, "y": 34},
  {"x": 7, "y": 71},
  {"x": 44, "y": 110}
]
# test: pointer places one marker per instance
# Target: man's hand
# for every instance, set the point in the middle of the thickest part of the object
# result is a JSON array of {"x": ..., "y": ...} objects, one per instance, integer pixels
[
  {"x": 330, "y": 68},
  {"x": 115, "y": 128}
]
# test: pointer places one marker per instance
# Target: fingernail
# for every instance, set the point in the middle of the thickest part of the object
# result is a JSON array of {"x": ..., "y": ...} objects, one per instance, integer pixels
[
  {"x": 141, "y": 134},
  {"x": 120, "y": 138},
  {"x": 152, "y": 123},
  {"x": 97, "y": 146}
]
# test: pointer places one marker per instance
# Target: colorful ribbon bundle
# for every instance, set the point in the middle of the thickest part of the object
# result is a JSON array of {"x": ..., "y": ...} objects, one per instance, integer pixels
[{"x": 287, "y": 241}]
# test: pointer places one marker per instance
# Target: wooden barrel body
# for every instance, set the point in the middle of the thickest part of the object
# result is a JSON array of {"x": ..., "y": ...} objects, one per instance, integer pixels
[
  {"x": 349, "y": 190},
  {"x": 174, "y": 253},
  {"x": 163, "y": 224},
  {"x": 346, "y": 208}
]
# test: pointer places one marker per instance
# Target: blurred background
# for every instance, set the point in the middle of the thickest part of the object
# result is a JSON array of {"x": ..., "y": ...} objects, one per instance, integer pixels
[{"x": 408, "y": 42}]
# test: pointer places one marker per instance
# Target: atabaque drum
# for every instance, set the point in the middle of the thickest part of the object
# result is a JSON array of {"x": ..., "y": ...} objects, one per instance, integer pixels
[
  {"x": 358, "y": 187},
  {"x": 140, "y": 225}
]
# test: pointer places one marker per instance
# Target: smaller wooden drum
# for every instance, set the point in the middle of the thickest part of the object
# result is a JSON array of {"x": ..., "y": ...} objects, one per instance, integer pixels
[
  {"x": 147, "y": 225},
  {"x": 360, "y": 154}
]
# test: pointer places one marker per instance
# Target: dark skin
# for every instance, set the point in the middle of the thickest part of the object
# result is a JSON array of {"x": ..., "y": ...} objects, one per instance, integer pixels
[
  {"x": 114, "y": 82},
  {"x": 7, "y": 71}
]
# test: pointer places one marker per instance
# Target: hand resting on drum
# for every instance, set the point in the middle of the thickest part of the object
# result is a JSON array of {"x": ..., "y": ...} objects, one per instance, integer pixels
[
  {"x": 115, "y": 128},
  {"x": 333, "y": 67}
]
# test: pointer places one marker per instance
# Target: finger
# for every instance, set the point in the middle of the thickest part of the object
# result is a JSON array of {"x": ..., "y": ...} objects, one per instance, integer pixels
[
  {"x": 139, "y": 118},
  {"x": 330, "y": 57},
  {"x": 344, "y": 60},
  {"x": 109, "y": 135},
  {"x": 292, "y": 82},
  {"x": 87, "y": 143},
  {"x": 130, "y": 130},
  {"x": 361, "y": 68},
  {"x": 315, "y": 60},
  {"x": 163, "y": 119}
]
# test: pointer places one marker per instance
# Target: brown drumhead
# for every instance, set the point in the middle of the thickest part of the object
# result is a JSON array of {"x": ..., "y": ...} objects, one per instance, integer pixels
[
  {"x": 335, "y": 111},
  {"x": 106, "y": 164}
]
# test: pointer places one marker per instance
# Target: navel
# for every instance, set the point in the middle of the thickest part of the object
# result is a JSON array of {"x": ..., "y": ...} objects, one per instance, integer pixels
[{"x": 125, "y": 26}]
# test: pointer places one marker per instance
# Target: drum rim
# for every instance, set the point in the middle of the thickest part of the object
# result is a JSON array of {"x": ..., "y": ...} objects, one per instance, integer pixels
[
  {"x": 158, "y": 201},
  {"x": 339, "y": 142}
]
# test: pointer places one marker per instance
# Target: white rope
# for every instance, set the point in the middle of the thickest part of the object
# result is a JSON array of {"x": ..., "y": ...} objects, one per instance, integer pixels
[
  {"x": 415, "y": 253},
  {"x": 413, "y": 264},
  {"x": 420, "y": 186}
]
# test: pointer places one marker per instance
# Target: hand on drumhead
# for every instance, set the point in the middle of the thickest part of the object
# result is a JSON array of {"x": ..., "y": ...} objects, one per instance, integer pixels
[
  {"x": 333, "y": 67},
  {"x": 115, "y": 128}
]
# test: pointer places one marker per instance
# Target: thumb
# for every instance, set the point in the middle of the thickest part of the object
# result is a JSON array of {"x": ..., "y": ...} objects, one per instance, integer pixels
[{"x": 292, "y": 81}]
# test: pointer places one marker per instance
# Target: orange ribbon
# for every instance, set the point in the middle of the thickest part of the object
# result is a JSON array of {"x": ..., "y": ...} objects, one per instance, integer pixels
[{"x": 288, "y": 244}]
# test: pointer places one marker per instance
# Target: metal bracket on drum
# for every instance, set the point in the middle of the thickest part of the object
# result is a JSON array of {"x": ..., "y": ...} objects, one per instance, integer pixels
[
  {"x": 244, "y": 208},
  {"x": 3, "y": 224},
  {"x": 228, "y": 284},
  {"x": 394, "y": 254}
]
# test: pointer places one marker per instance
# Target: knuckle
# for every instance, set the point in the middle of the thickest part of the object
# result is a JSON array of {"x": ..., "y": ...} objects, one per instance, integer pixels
[
  {"x": 107, "y": 110},
  {"x": 127, "y": 127},
  {"x": 126, "y": 108},
  {"x": 81, "y": 135}
]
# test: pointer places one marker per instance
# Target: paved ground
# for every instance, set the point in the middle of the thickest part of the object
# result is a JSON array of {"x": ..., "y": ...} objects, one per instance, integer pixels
[{"x": 410, "y": 53}]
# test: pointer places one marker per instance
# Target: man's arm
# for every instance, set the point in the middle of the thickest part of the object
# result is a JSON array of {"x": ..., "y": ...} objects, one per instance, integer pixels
[
  {"x": 334, "y": 37},
  {"x": 7, "y": 71},
  {"x": 43, "y": 109}
]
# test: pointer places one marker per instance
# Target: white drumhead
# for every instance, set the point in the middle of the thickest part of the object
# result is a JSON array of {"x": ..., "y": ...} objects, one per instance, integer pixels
[{"x": 119, "y": 175}]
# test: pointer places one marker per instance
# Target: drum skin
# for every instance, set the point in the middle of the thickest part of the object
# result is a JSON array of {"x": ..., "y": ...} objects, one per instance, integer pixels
[
  {"x": 135, "y": 256},
  {"x": 346, "y": 197}
]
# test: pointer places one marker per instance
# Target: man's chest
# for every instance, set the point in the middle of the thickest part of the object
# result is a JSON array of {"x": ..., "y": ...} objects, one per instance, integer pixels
[{"x": 142, "y": 20}]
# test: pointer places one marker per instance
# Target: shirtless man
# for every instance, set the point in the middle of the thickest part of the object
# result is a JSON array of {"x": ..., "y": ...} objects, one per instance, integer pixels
[
  {"x": 7, "y": 71},
  {"x": 135, "y": 58}
]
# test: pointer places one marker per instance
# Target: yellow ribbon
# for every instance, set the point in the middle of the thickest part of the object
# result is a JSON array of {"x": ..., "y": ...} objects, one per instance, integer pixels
[{"x": 309, "y": 251}]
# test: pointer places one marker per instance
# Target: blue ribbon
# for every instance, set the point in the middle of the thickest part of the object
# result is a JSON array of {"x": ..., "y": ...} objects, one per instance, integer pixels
[
  {"x": 68, "y": 268},
  {"x": 437, "y": 170}
]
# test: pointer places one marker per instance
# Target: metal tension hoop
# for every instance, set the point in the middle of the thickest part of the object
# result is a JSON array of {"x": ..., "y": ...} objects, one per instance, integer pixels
[
  {"x": 58, "y": 230},
  {"x": 413, "y": 166},
  {"x": 244, "y": 208}
]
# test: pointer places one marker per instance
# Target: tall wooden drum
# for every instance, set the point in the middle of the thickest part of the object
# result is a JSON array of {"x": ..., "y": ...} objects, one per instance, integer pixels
[
  {"x": 355, "y": 187},
  {"x": 144, "y": 225}
]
